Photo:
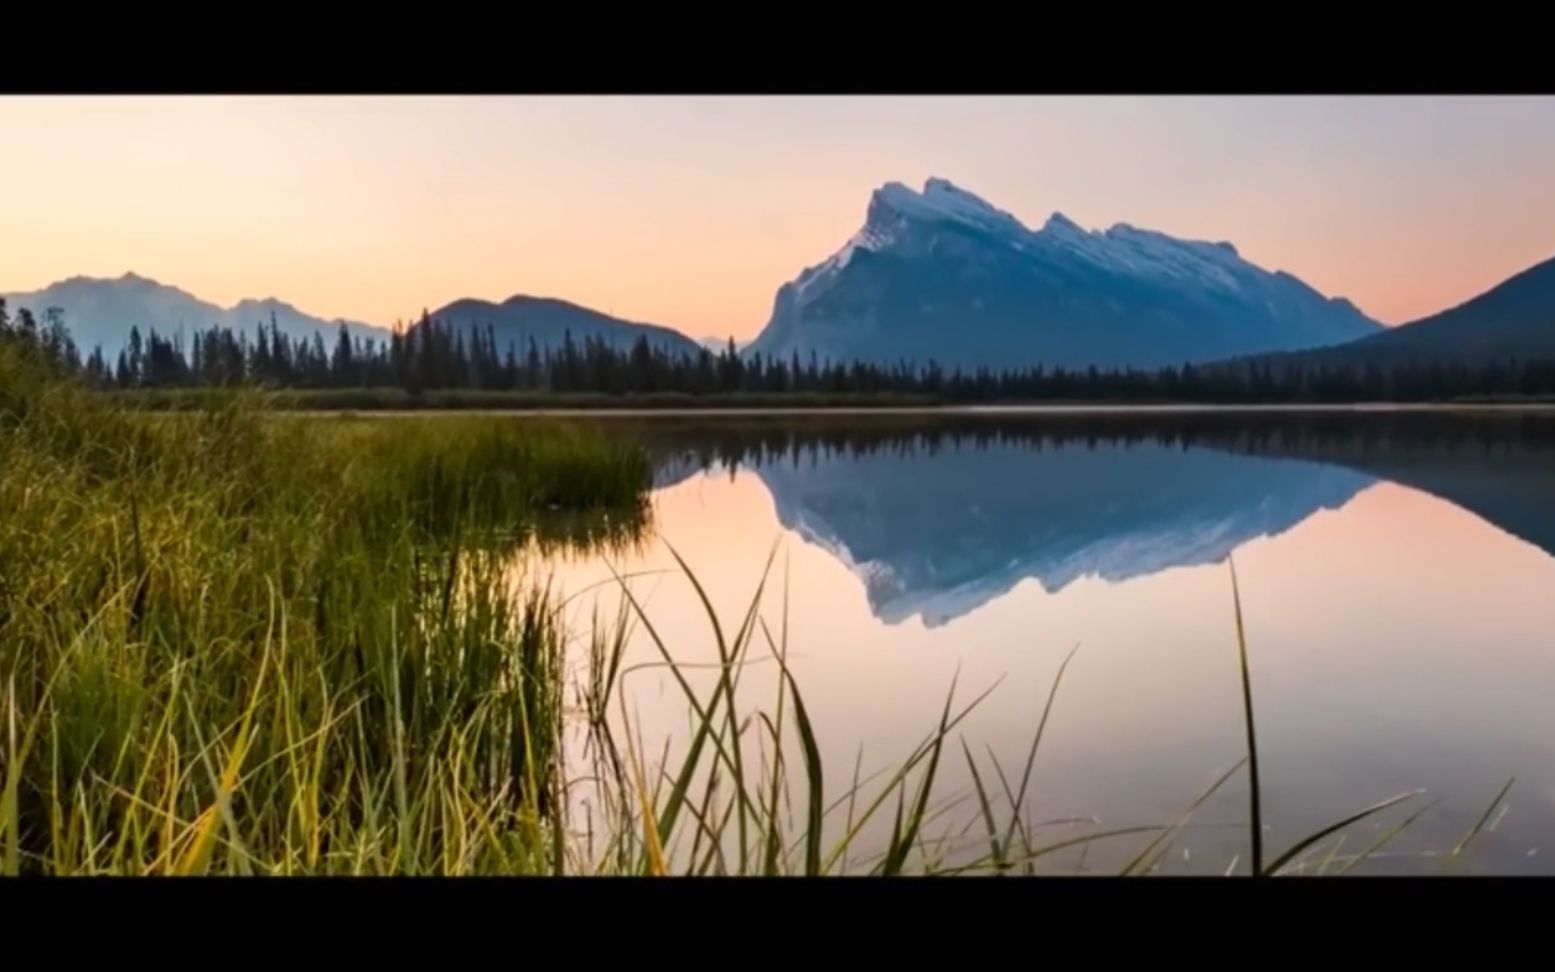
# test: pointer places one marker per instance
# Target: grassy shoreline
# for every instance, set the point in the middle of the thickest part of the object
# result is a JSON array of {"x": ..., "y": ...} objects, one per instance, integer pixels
[{"x": 233, "y": 642}]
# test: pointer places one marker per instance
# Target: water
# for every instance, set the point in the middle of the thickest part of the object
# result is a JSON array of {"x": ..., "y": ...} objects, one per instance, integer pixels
[{"x": 1397, "y": 574}]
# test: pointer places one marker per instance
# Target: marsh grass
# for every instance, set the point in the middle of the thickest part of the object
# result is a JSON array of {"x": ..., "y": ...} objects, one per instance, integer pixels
[
  {"x": 234, "y": 642},
  {"x": 237, "y": 643}
]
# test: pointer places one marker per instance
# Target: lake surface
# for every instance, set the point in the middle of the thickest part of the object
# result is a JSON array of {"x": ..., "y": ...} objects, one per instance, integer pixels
[{"x": 1397, "y": 577}]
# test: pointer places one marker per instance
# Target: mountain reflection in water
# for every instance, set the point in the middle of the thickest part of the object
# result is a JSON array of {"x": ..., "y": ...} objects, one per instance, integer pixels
[{"x": 937, "y": 517}]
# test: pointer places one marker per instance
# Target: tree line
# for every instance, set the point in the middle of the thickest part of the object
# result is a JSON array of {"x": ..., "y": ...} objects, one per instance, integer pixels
[{"x": 432, "y": 355}]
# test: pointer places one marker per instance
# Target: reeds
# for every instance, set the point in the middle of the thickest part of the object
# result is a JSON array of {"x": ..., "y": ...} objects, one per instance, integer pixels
[{"x": 239, "y": 643}]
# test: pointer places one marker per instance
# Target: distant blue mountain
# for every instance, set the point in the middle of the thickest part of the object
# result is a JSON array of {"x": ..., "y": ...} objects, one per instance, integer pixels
[
  {"x": 548, "y": 321},
  {"x": 100, "y": 312},
  {"x": 1514, "y": 319},
  {"x": 942, "y": 275}
]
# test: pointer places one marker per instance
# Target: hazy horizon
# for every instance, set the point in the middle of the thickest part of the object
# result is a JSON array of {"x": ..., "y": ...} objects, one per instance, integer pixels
[{"x": 691, "y": 211}]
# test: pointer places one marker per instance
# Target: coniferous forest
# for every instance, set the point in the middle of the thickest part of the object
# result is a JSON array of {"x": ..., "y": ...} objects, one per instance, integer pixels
[{"x": 430, "y": 356}]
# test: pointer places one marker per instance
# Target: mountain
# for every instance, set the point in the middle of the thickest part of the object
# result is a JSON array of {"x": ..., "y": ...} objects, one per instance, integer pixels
[
  {"x": 940, "y": 274},
  {"x": 1516, "y": 318},
  {"x": 547, "y": 320},
  {"x": 101, "y": 311}
]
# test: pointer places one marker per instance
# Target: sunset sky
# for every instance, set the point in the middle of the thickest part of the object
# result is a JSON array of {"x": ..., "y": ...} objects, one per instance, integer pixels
[{"x": 690, "y": 212}]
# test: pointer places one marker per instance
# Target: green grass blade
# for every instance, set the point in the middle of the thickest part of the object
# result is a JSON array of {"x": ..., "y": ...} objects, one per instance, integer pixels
[
  {"x": 1386, "y": 838},
  {"x": 1083, "y": 840},
  {"x": 772, "y": 844},
  {"x": 726, "y": 680},
  {"x": 897, "y": 850},
  {"x": 1142, "y": 862},
  {"x": 814, "y": 777},
  {"x": 925, "y": 786},
  {"x": 899, "y": 777},
  {"x": 704, "y": 713},
  {"x": 1308, "y": 841},
  {"x": 1031, "y": 755},
  {"x": 984, "y": 807},
  {"x": 1479, "y": 824},
  {"x": 1254, "y": 788}
]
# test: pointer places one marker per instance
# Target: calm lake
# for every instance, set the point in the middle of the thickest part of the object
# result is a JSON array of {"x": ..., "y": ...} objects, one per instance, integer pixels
[{"x": 1397, "y": 577}]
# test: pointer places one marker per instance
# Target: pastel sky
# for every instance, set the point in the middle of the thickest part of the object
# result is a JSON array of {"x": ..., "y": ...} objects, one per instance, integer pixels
[{"x": 691, "y": 211}]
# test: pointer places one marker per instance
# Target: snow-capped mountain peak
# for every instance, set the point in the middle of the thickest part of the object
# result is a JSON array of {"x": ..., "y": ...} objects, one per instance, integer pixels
[
  {"x": 943, "y": 201},
  {"x": 1151, "y": 253},
  {"x": 955, "y": 279},
  {"x": 896, "y": 209},
  {"x": 1059, "y": 223}
]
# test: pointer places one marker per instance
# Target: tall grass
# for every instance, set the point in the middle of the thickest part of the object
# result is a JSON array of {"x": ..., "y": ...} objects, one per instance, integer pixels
[
  {"x": 236, "y": 643},
  {"x": 233, "y": 642}
]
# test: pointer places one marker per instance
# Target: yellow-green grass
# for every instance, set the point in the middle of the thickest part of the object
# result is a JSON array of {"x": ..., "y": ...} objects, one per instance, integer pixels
[
  {"x": 235, "y": 642},
  {"x": 239, "y": 643}
]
